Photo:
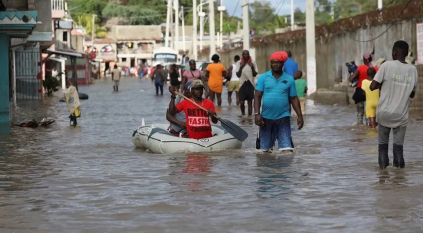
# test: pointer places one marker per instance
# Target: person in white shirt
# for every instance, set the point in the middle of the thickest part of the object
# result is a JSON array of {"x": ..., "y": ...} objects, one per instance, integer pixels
[
  {"x": 397, "y": 82},
  {"x": 233, "y": 84},
  {"x": 246, "y": 71}
]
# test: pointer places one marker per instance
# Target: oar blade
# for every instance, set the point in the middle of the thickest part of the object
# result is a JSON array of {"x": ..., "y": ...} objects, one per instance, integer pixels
[{"x": 234, "y": 130}]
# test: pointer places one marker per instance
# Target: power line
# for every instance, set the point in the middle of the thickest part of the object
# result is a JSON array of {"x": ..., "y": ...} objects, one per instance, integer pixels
[
  {"x": 270, "y": 15},
  {"x": 387, "y": 29},
  {"x": 277, "y": 11},
  {"x": 235, "y": 8}
]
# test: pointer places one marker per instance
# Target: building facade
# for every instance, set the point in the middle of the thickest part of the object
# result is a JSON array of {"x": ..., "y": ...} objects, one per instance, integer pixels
[
  {"x": 16, "y": 24},
  {"x": 135, "y": 44}
]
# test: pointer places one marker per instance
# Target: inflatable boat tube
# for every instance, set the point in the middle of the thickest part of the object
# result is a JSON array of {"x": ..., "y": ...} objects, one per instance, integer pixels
[{"x": 158, "y": 140}]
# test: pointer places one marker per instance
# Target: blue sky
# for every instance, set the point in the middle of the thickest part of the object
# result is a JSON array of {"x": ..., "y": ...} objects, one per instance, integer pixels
[{"x": 285, "y": 9}]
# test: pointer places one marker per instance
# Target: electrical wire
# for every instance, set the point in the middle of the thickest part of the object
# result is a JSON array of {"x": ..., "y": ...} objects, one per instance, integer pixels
[
  {"x": 387, "y": 29},
  {"x": 277, "y": 11},
  {"x": 235, "y": 9}
]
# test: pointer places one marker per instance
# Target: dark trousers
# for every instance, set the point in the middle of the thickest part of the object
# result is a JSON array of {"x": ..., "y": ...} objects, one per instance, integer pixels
[{"x": 157, "y": 89}]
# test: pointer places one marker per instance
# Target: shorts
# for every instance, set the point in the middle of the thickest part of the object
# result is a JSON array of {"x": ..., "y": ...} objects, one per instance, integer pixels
[
  {"x": 370, "y": 109},
  {"x": 246, "y": 91},
  {"x": 233, "y": 86},
  {"x": 117, "y": 83},
  {"x": 276, "y": 129}
]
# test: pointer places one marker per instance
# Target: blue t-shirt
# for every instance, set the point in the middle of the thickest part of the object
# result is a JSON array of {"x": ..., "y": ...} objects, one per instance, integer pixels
[
  {"x": 290, "y": 67},
  {"x": 276, "y": 95}
]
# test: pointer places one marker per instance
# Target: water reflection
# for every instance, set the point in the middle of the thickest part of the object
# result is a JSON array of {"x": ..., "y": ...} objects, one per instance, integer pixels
[
  {"x": 197, "y": 163},
  {"x": 273, "y": 175},
  {"x": 192, "y": 168},
  {"x": 392, "y": 178},
  {"x": 91, "y": 179}
]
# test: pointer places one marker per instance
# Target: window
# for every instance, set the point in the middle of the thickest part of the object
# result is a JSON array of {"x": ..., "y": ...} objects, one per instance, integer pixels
[
  {"x": 124, "y": 59},
  {"x": 65, "y": 37}
]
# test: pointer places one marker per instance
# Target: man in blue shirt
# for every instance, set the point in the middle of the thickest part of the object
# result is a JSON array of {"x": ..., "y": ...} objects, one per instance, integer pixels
[
  {"x": 290, "y": 66},
  {"x": 276, "y": 88}
]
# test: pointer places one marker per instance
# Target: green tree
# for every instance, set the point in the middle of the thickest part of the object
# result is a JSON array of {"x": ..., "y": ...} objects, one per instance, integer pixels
[
  {"x": 136, "y": 15},
  {"x": 280, "y": 21},
  {"x": 299, "y": 16},
  {"x": 349, "y": 8},
  {"x": 86, "y": 22},
  {"x": 87, "y": 6},
  {"x": 262, "y": 17}
]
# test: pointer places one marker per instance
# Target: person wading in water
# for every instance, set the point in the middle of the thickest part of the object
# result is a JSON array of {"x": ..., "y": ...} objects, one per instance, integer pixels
[
  {"x": 359, "y": 96},
  {"x": 247, "y": 71},
  {"x": 397, "y": 82},
  {"x": 276, "y": 89}
]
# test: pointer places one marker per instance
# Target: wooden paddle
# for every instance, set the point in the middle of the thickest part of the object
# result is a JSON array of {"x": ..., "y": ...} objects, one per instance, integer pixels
[
  {"x": 229, "y": 126},
  {"x": 258, "y": 139}
]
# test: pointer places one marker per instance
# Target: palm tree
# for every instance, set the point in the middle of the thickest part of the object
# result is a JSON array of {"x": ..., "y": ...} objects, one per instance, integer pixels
[{"x": 86, "y": 22}]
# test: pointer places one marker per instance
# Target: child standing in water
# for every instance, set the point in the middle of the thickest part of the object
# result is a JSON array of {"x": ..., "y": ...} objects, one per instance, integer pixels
[
  {"x": 372, "y": 97},
  {"x": 301, "y": 87}
]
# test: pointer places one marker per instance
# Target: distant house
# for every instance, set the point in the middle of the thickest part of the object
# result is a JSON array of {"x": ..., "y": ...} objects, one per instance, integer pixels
[{"x": 135, "y": 44}]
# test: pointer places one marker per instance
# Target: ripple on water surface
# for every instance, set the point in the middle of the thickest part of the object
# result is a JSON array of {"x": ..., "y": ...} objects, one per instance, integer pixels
[{"x": 92, "y": 179}]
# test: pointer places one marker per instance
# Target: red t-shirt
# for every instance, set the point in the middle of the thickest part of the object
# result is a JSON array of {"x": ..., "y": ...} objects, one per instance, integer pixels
[
  {"x": 362, "y": 73},
  {"x": 198, "y": 121}
]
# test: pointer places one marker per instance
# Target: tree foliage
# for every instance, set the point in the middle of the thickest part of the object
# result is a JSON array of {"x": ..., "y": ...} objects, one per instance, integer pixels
[
  {"x": 80, "y": 7},
  {"x": 326, "y": 11},
  {"x": 136, "y": 15},
  {"x": 263, "y": 16},
  {"x": 85, "y": 21}
]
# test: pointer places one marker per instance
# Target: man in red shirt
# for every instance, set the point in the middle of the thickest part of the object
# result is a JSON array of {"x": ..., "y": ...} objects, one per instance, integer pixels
[
  {"x": 359, "y": 96},
  {"x": 197, "y": 120}
]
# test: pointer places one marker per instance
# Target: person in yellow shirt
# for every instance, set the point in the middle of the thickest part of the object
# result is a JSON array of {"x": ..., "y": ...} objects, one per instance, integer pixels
[{"x": 372, "y": 97}]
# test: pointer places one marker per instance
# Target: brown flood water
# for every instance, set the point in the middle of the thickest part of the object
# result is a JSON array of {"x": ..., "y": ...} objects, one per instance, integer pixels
[{"x": 91, "y": 178}]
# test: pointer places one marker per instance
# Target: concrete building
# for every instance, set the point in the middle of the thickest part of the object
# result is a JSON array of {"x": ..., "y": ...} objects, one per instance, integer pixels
[
  {"x": 16, "y": 24},
  {"x": 68, "y": 46},
  {"x": 135, "y": 44},
  {"x": 32, "y": 44}
]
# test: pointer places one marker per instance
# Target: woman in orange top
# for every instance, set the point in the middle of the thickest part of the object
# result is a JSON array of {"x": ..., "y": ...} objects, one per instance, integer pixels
[{"x": 215, "y": 71}]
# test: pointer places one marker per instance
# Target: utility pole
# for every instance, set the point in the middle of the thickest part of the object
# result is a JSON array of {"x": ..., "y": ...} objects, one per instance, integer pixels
[
  {"x": 212, "y": 29},
  {"x": 169, "y": 9},
  {"x": 292, "y": 15},
  {"x": 311, "y": 47},
  {"x": 194, "y": 29},
  {"x": 183, "y": 29},
  {"x": 93, "y": 33},
  {"x": 172, "y": 28},
  {"x": 176, "y": 45},
  {"x": 202, "y": 14},
  {"x": 380, "y": 4},
  {"x": 221, "y": 8},
  {"x": 245, "y": 25}
]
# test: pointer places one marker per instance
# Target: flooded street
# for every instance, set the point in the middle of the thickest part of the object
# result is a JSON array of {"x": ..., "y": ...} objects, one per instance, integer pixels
[{"x": 92, "y": 179}]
